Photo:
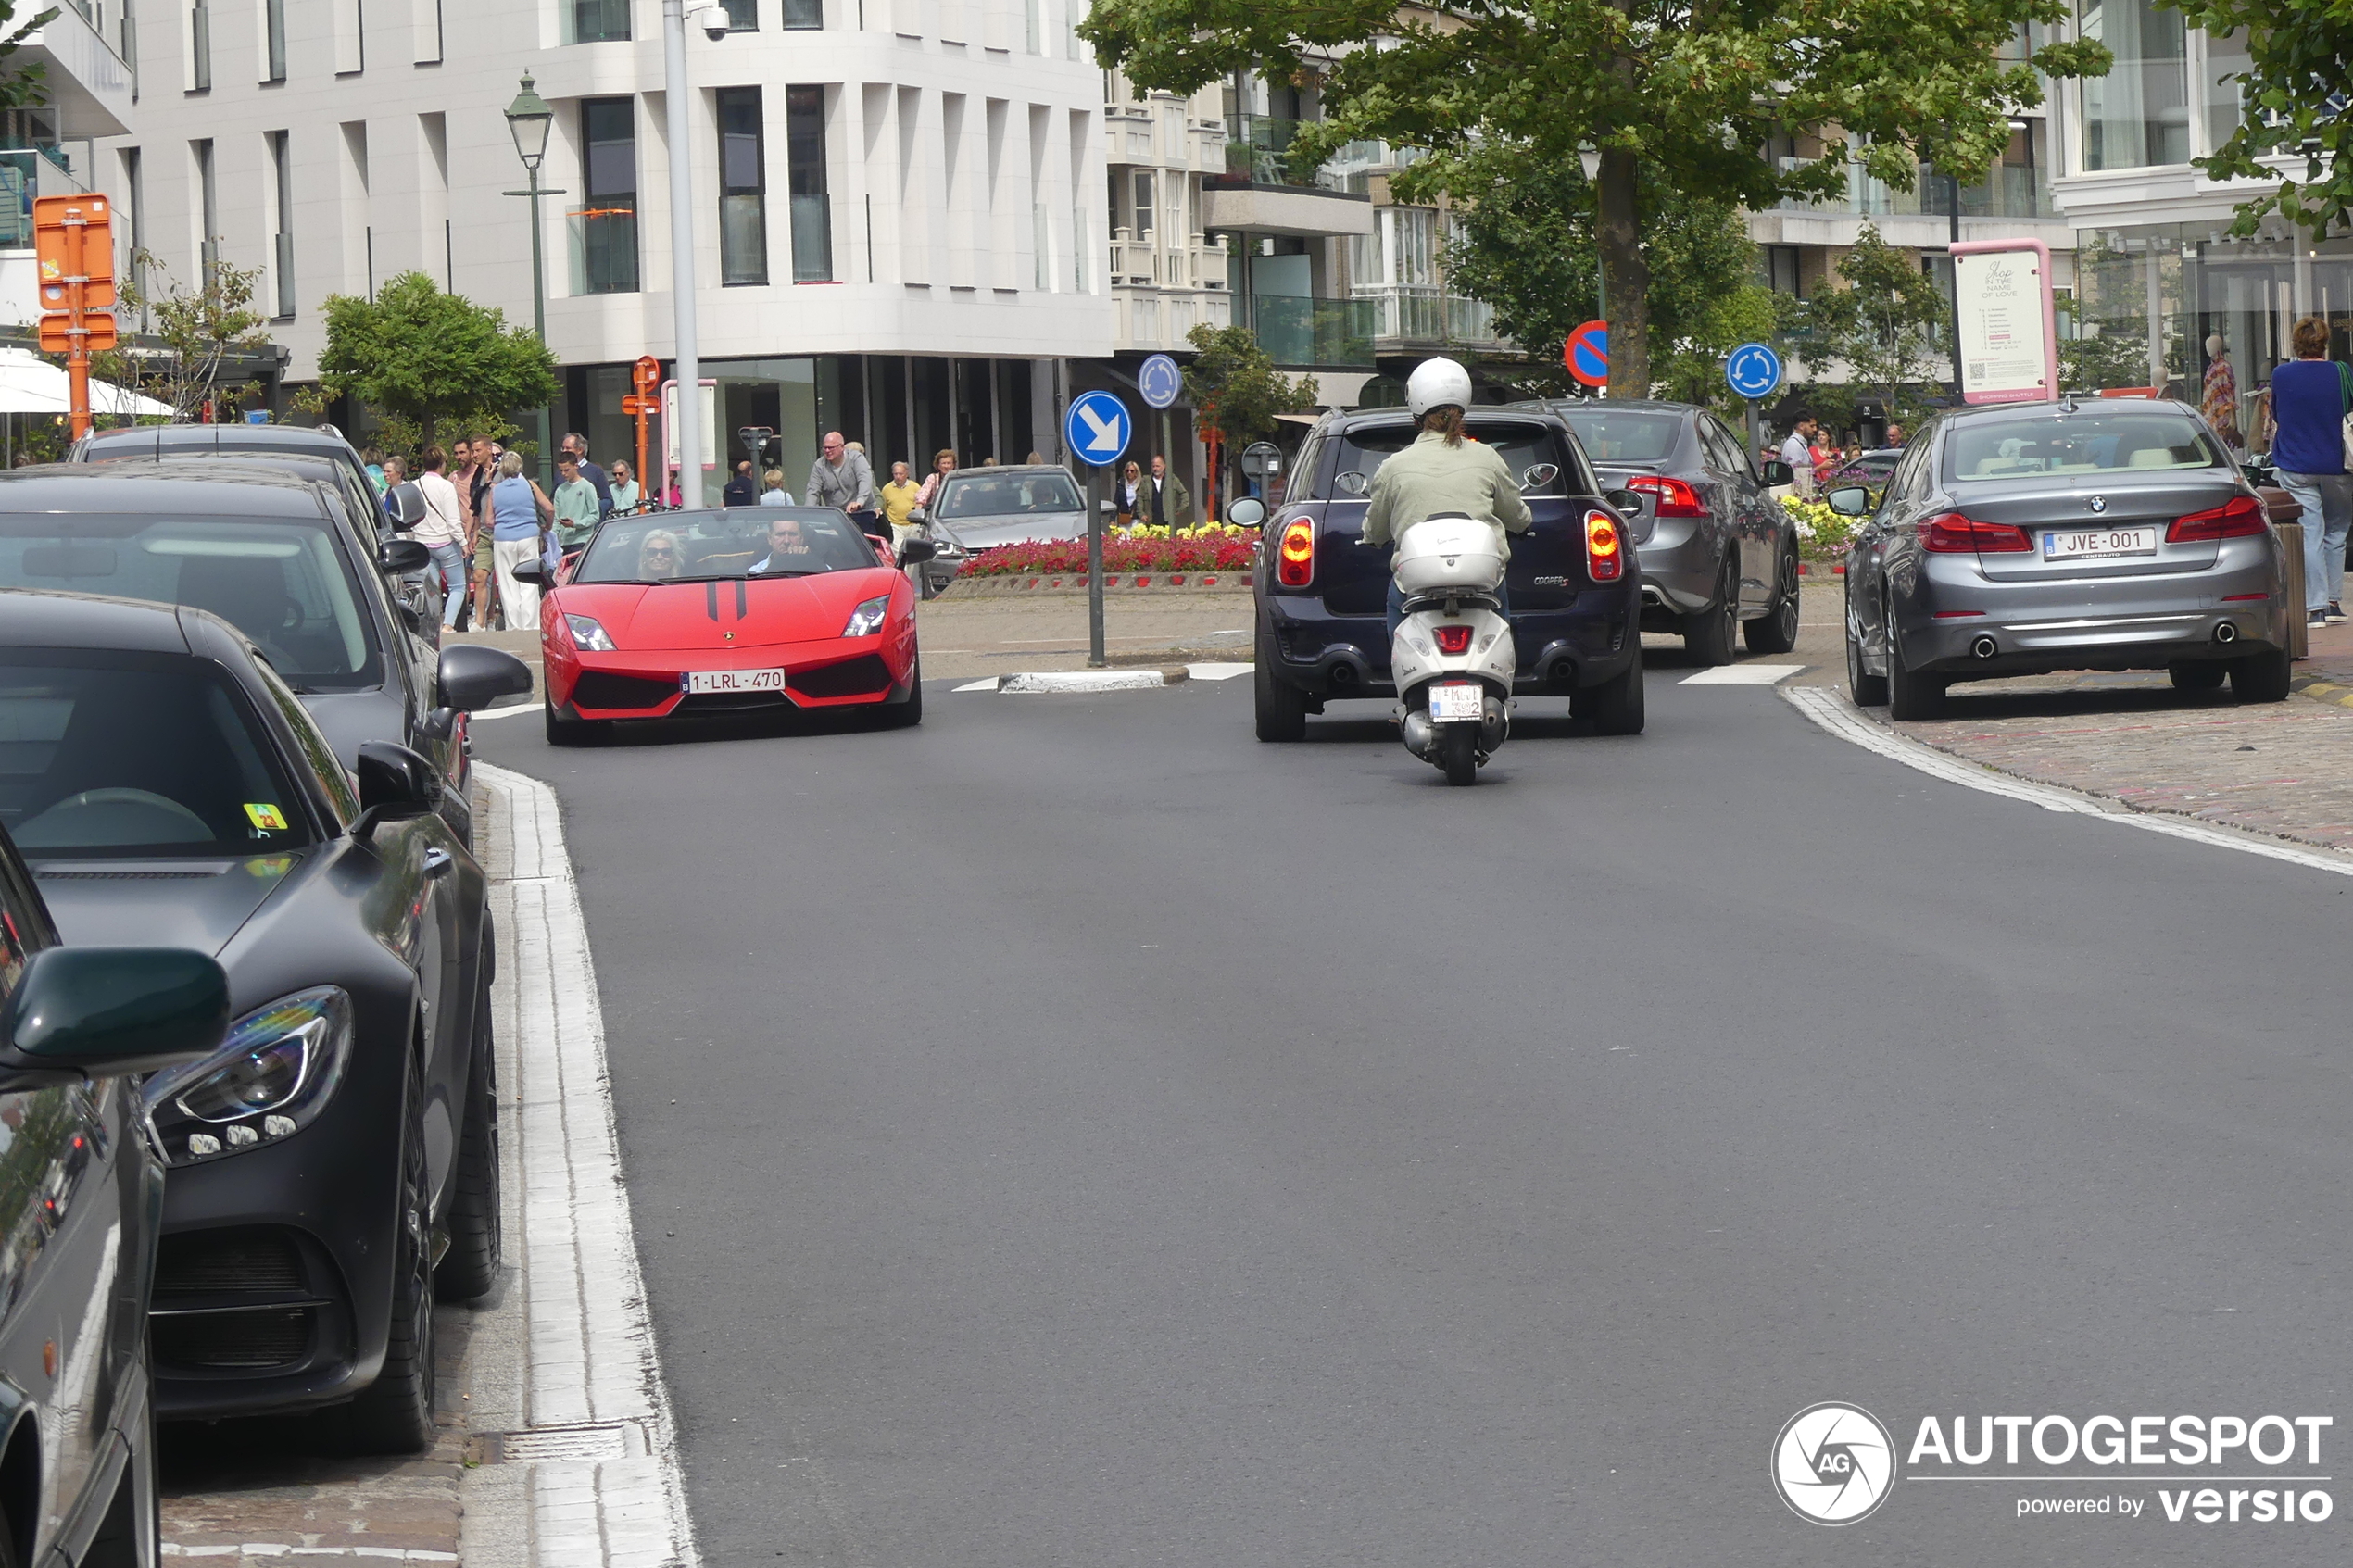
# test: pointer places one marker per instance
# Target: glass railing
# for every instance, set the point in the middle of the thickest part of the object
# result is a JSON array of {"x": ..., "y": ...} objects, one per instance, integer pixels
[
  {"x": 1311, "y": 331},
  {"x": 604, "y": 249},
  {"x": 1428, "y": 314},
  {"x": 20, "y": 183},
  {"x": 1257, "y": 149},
  {"x": 596, "y": 22},
  {"x": 2013, "y": 191}
]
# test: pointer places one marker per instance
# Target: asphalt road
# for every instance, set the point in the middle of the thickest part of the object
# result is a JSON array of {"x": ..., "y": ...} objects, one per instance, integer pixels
[{"x": 1073, "y": 1133}]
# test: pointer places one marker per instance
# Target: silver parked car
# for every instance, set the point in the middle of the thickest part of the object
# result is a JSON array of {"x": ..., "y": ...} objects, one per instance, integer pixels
[
  {"x": 1717, "y": 550},
  {"x": 979, "y": 509},
  {"x": 2023, "y": 538}
]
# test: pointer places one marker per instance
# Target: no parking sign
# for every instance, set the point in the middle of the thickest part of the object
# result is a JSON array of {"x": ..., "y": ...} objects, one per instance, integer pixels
[{"x": 1587, "y": 354}]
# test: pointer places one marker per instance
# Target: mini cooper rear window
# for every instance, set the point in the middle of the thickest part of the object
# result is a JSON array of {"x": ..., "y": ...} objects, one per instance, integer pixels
[
  {"x": 744, "y": 542},
  {"x": 1523, "y": 447},
  {"x": 2090, "y": 442}
]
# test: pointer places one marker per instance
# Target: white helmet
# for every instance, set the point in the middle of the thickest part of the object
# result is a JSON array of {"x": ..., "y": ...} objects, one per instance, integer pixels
[{"x": 1436, "y": 383}]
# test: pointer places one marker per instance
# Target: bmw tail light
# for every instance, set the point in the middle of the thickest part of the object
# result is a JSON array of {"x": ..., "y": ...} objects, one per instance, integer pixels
[
  {"x": 2241, "y": 518},
  {"x": 1953, "y": 535},
  {"x": 1295, "y": 557},
  {"x": 1453, "y": 639},
  {"x": 1604, "y": 548},
  {"x": 1669, "y": 498}
]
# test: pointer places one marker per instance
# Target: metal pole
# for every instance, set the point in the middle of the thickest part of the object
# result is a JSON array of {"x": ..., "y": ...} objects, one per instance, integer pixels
[
  {"x": 539, "y": 314},
  {"x": 1755, "y": 432},
  {"x": 682, "y": 253},
  {"x": 1094, "y": 567},
  {"x": 1953, "y": 255}
]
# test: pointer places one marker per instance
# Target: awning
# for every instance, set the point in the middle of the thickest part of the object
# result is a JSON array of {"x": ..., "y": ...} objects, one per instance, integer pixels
[{"x": 30, "y": 385}]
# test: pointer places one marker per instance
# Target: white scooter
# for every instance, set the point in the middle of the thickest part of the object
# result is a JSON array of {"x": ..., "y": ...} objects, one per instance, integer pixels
[{"x": 1452, "y": 656}]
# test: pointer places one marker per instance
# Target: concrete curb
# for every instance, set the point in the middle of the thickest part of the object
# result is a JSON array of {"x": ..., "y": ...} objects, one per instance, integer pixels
[
  {"x": 1066, "y": 681},
  {"x": 2321, "y": 690},
  {"x": 1178, "y": 585}
]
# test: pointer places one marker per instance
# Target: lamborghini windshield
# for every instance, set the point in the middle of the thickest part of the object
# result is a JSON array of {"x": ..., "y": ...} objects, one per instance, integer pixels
[{"x": 742, "y": 542}]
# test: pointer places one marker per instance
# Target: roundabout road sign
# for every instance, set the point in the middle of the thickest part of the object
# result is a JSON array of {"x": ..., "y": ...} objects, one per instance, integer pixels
[
  {"x": 1586, "y": 353},
  {"x": 1753, "y": 370},
  {"x": 1160, "y": 381},
  {"x": 1096, "y": 428}
]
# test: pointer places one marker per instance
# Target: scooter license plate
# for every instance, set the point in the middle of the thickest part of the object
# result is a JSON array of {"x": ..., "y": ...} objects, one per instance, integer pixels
[{"x": 1454, "y": 703}]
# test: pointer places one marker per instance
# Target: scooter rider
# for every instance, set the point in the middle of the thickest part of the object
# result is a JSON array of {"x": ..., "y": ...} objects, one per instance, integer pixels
[{"x": 1441, "y": 474}]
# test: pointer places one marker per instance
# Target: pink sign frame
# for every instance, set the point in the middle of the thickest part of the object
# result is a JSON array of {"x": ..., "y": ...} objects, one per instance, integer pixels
[{"x": 2048, "y": 391}]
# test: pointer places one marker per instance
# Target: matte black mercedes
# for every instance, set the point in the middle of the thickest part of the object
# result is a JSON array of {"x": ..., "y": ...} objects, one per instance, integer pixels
[
  {"x": 1322, "y": 595},
  {"x": 336, "y": 1160},
  {"x": 272, "y": 551}
]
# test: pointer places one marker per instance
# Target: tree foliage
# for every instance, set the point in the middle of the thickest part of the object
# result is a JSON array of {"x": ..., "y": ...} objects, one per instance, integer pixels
[
  {"x": 2301, "y": 63},
  {"x": 1235, "y": 386},
  {"x": 200, "y": 332},
  {"x": 421, "y": 358},
  {"x": 1882, "y": 324},
  {"x": 1677, "y": 95}
]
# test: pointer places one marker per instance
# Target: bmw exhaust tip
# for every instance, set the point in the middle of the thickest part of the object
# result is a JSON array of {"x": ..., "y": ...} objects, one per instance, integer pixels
[
  {"x": 1984, "y": 647},
  {"x": 2226, "y": 632}
]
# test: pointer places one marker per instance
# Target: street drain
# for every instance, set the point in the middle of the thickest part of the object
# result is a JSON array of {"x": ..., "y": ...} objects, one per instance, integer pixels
[{"x": 584, "y": 1444}]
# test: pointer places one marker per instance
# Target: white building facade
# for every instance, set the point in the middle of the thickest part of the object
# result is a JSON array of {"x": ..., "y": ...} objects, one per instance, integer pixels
[
  {"x": 83, "y": 50},
  {"x": 899, "y": 231}
]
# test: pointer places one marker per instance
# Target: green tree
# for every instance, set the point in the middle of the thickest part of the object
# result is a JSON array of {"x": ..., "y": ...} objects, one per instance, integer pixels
[
  {"x": 1236, "y": 388},
  {"x": 2299, "y": 62},
  {"x": 1525, "y": 247},
  {"x": 1680, "y": 96},
  {"x": 201, "y": 330},
  {"x": 1883, "y": 325},
  {"x": 419, "y": 358}
]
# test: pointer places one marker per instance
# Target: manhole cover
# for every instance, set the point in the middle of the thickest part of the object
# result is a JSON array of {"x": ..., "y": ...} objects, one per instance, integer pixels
[{"x": 617, "y": 1439}]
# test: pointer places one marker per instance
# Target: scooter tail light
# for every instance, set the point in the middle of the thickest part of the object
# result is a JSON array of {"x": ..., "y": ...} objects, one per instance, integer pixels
[
  {"x": 1669, "y": 498},
  {"x": 1604, "y": 548},
  {"x": 2239, "y": 518},
  {"x": 1295, "y": 557},
  {"x": 1452, "y": 640},
  {"x": 1950, "y": 533}
]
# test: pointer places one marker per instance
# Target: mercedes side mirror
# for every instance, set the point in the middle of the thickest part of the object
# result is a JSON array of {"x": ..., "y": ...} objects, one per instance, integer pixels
[
  {"x": 1848, "y": 500},
  {"x": 1778, "y": 473},
  {"x": 915, "y": 550},
  {"x": 405, "y": 504},
  {"x": 1248, "y": 512},
  {"x": 395, "y": 784},
  {"x": 472, "y": 676},
  {"x": 110, "y": 1010},
  {"x": 402, "y": 556},
  {"x": 532, "y": 571}
]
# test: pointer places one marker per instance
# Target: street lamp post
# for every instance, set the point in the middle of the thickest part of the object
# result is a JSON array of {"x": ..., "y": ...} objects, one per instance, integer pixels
[
  {"x": 688, "y": 375},
  {"x": 528, "y": 119}
]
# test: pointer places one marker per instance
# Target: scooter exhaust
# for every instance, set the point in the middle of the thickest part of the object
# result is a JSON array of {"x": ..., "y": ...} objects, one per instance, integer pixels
[{"x": 1419, "y": 730}]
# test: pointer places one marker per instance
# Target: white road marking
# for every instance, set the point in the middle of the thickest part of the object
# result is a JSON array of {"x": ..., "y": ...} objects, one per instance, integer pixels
[
  {"x": 507, "y": 712},
  {"x": 1219, "y": 672},
  {"x": 987, "y": 684},
  {"x": 1741, "y": 675},
  {"x": 1082, "y": 681},
  {"x": 1840, "y": 717},
  {"x": 591, "y": 1355}
]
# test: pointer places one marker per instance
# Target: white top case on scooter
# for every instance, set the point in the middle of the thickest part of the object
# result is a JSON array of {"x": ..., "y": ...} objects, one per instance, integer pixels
[{"x": 1438, "y": 553}]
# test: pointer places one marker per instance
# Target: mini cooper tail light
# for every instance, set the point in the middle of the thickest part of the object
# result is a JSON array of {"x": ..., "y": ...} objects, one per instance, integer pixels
[
  {"x": 1452, "y": 640},
  {"x": 1605, "y": 549},
  {"x": 1950, "y": 533},
  {"x": 2240, "y": 518},
  {"x": 1669, "y": 498},
  {"x": 1295, "y": 558}
]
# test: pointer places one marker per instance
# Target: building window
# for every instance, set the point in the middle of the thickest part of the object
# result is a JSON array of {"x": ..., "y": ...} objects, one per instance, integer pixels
[
  {"x": 2138, "y": 115},
  {"x": 273, "y": 26},
  {"x": 596, "y": 22},
  {"x": 281, "y": 250},
  {"x": 743, "y": 189},
  {"x": 604, "y": 230},
  {"x": 208, "y": 211},
  {"x": 2225, "y": 99},
  {"x": 1033, "y": 21},
  {"x": 199, "y": 47},
  {"x": 805, "y": 16},
  {"x": 134, "y": 182},
  {"x": 742, "y": 16},
  {"x": 1780, "y": 271},
  {"x": 812, "y": 244}
]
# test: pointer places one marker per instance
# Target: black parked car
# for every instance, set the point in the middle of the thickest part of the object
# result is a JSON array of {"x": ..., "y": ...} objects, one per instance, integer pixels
[
  {"x": 80, "y": 1181},
  {"x": 271, "y": 551},
  {"x": 1718, "y": 553},
  {"x": 1322, "y": 596},
  {"x": 167, "y": 786}
]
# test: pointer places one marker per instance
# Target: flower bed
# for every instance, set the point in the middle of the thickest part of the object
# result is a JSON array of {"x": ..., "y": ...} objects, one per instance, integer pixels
[
  {"x": 1212, "y": 548},
  {"x": 1822, "y": 534}
]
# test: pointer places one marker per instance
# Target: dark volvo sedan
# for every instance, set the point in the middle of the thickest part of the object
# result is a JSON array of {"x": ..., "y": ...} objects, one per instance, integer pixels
[
  {"x": 335, "y": 1162},
  {"x": 2020, "y": 539},
  {"x": 1322, "y": 595}
]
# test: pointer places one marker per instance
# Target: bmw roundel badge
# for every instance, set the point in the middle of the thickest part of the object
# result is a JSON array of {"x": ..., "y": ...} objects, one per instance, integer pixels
[{"x": 2099, "y": 502}]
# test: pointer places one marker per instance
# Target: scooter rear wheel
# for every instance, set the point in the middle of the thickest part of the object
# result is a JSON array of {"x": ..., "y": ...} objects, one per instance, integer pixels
[{"x": 1458, "y": 753}]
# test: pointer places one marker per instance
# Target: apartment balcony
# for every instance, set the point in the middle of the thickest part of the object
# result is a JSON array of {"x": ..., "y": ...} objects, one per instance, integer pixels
[
  {"x": 1311, "y": 333},
  {"x": 1410, "y": 316},
  {"x": 2010, "y": 191},
  {"x": 87, "y": 86},
  {"x": 1153, "y": 320},
  {"x": 1138, "y": 263}
]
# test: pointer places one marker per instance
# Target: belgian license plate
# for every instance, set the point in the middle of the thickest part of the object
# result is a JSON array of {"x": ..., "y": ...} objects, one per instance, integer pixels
[
  {"x": 695, "y": 682},
  {"x": 1457, "y": 701},
  {"x": 2099, "y": 543}
]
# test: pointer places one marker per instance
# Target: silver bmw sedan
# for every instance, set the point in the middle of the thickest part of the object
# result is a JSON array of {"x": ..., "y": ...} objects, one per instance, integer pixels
[{"x": 2023, "y": 538}]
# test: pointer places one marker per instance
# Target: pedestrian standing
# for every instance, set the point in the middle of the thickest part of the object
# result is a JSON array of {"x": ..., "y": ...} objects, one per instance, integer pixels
[
  {"x": 577, "y": 445},
  {"x": 442, "y": 531},
  {"x": 1129, "y": 490},
  {"x": 396, "y": 474},
  {"x": 1167, "y": 504},
  {"x": 740, "y": 491},
  {"x": 943, "y": 463},
  {"x": 2311, "y": 396},
  {"x": 1894, "y": 433},
  {"x": 775, "y": 495},
  {"x": 626, "y": 494},
  {"x": 673, "y": 496},
  {"x": 516, "y": 507},
  {"x": 1797, "y": 451},
  {"x": 375, "y": 461},
  {"x": 576, "y": 504},
  {"x": 898, "y": 501},
  {"x": 840, "y": 478},
  {"x": 2220, "y": 403}
]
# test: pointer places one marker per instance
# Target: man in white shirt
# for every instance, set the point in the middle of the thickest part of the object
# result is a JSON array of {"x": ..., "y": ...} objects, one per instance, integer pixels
[{"x": 1798, "y": 453}]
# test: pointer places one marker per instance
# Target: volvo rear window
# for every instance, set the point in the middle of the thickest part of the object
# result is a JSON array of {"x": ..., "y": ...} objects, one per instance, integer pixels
[
  {"x": 2095, "y": 441},
  {"x": 1523, "y": 447}
]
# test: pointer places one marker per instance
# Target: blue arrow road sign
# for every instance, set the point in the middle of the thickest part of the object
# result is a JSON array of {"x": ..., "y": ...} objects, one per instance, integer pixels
[
  {"x": 1754, "y": 370},
  {"x": 1160, "y": 381},
  {"x": 1096, "y": 428}
]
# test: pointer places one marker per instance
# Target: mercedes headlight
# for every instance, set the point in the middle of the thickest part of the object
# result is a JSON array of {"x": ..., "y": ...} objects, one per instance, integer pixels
[
  {"x": 587, "y": 635},
  {"x": 867, "y": 619},
  {"x": 271, "y": 1078}
]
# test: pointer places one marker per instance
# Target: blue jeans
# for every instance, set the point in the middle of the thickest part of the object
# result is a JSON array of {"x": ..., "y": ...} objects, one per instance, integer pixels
[
  {"x": 451, "y": 560},
  {"x": 2327, "y": 500},
  {"x": 1502, "y": 605}
]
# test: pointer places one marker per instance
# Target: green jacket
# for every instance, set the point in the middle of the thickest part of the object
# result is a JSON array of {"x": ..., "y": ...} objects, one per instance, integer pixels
[
  {"x": 1430, "y": 477},
  {"x": 1181, "y": 502}
]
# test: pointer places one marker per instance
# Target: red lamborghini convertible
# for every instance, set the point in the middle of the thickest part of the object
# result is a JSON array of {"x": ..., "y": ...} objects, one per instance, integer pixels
[{"x": 727, "y": 612}]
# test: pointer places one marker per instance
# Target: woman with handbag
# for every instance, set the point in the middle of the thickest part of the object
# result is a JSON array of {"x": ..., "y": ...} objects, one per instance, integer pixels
[{"x": 2311, "y": 441}]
